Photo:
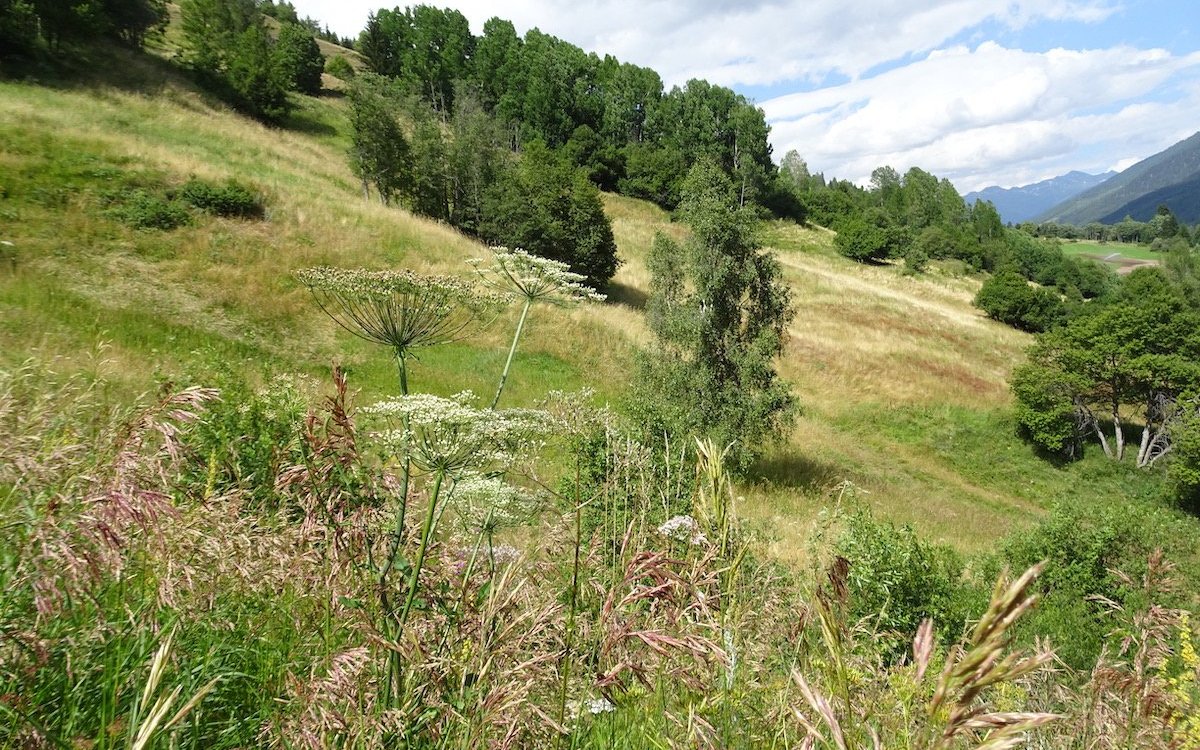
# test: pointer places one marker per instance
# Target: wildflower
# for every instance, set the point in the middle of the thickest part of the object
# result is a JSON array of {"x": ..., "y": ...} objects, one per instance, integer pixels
[
  {"x": 504, "y": 554},
  {"x": 489, "y": 503},
  {"x": 535, "y": 279},
  {"x": 399, "y": 309},
  {"x": 452, "y": 436},
  {"x": 592, "y": 706},
  {"x": 683, "y": 529}
]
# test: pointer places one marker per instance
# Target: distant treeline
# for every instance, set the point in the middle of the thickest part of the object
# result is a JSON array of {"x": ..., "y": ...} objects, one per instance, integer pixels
[{"x": 1162, "y": 226}]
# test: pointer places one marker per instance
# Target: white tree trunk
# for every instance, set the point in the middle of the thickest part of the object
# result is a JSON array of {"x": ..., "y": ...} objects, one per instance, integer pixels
[{"x": 1118, "y": 436}]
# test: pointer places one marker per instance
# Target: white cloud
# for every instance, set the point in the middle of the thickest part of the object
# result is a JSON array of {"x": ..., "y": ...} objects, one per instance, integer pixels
[
  {"x": 748, "y": 43},
  {"x": 993, "y": 114}
]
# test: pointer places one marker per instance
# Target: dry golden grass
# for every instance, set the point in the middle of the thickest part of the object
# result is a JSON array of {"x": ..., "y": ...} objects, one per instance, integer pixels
[{"x": 865, "y": 338}]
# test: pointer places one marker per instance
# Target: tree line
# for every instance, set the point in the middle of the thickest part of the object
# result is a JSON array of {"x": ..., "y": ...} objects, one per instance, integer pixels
[
  {"x": 26, "y": 24},
  {"x": 614, "y": 120},
  {"x": 1162, "y": 230}
]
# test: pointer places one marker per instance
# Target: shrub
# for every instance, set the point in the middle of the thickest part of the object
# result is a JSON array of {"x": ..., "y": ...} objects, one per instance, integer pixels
[
  {"x": 1084, "y": 546},
  {"x": 244, "y": 440},
  {"x": 548, "y": 207},
  {"x": 338, "y": 67},
  {"x": 1007, "y": 297},
  {"x": 231, "y": 199},
  {"x": 898, "y": 580},
  {"x": 145, "y": 210}
]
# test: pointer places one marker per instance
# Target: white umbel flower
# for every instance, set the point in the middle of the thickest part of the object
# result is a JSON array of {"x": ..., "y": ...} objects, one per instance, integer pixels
[
  {"x": 533, "y": 277},
  {"x": 683, "y": 529}
]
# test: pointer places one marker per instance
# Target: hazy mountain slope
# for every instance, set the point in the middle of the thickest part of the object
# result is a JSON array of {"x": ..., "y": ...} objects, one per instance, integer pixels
[
  {"x": 1022, "y": 203},
  {"x": 1171, "y": 174}
]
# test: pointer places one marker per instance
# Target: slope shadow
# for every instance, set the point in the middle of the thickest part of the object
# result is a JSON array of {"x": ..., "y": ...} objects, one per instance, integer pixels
[
  {"x": 798, "y": 472},
  {"x": 628, "y": 296}
]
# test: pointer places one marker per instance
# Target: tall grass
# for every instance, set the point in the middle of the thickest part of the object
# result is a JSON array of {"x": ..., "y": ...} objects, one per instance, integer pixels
[{"x": 134, "y": 593}]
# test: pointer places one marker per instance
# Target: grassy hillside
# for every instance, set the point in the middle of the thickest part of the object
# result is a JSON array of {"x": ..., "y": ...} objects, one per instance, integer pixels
[
  {"x": 901, "y": 380},
  {"x": 272, "y": 585}
]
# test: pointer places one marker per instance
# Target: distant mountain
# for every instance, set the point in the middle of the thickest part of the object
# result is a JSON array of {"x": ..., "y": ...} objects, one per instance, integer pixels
[
  {"x": 1171, "y": 177},
  {"x": 1023, "y": 203}
]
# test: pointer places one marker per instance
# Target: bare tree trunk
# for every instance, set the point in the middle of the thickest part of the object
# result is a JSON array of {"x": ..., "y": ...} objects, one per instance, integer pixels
[
  {"x": 1118, "y": 436},
  {"x": 1103, "y": 441},
  {"x": 1144, "y": 448},
  {"x": 1086, "y": 420}
]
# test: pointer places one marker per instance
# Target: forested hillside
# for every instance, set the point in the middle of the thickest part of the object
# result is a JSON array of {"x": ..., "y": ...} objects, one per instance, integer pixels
[{"x": 295, "y": 453}]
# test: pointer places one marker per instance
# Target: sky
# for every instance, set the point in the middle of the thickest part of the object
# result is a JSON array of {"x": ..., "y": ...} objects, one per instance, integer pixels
[{"x": 984, "y": 92}]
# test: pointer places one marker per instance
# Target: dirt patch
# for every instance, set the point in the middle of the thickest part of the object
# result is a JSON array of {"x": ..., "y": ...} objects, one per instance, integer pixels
[{"x": 1123, "y": 265}]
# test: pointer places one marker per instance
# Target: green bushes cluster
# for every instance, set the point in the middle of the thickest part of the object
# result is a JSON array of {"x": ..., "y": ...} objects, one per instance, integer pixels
[
  {"x": 143, "y": 209},
  {"x": 245, "y": 439},
  {"x": 897, "y": 579},
  {"x": 166, "y": 208},
  {"x": 232, "y": 200}
]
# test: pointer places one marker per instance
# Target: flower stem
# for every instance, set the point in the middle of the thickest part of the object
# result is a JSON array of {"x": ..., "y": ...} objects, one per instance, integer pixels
[
  {"x": 414, "y": 578},
  {"x": 393, "y": 672},
  {"x": 512, "y": 350},
  {"x": 574, "y": 603}
]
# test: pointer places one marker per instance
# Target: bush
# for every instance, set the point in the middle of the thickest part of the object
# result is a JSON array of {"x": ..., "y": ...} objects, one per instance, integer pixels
[
  {"x": 231, "y": 199},
  {"x": 1007, "y": 297},
  {"x": 549, "y": 207},
  {"x": 338, "y": 67},
  {"x": 145, "y": 210},
  {"x": 897, "y": 580},
  {"x": 1083, "y": 547},
  {"x": 244, "y": 440}
]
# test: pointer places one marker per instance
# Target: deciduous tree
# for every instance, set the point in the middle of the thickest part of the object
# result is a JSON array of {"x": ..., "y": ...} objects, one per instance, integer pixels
[{"x": 719, "y": 310}]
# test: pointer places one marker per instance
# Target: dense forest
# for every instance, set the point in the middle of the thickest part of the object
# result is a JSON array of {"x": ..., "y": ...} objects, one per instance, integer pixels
[{"x": 758, "y": 458}]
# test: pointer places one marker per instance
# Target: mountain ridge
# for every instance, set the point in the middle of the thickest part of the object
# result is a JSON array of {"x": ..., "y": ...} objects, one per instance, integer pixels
[
  {"x": 1170, "y": 177},
  {"x": 1024, "y": 202}
]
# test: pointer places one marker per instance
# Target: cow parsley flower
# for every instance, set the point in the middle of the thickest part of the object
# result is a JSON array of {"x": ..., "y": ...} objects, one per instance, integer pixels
[
  {"x": 452, "y": 436},
  {"x": 535, "y": 279},
  {"x": 400, "y": 309},
  {"x": 683, "y": 529},
  {"x": 485, "y": 504}
]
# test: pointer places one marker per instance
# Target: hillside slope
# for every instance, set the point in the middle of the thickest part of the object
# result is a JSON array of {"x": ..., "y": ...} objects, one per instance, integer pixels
[
  {"x": 902, "y": 382},
  {"x": 1171, "y": 176}
]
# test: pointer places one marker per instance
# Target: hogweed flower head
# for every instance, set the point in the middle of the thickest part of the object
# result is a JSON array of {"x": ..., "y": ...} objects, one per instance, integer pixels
[
  {"x": 400, "y": 309},
  {"x": 451, "y": 435},
  {"x": 683, "y": 529},
  {"x": 487, "y": 503},
  {"x": 534, "y": 278}
]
